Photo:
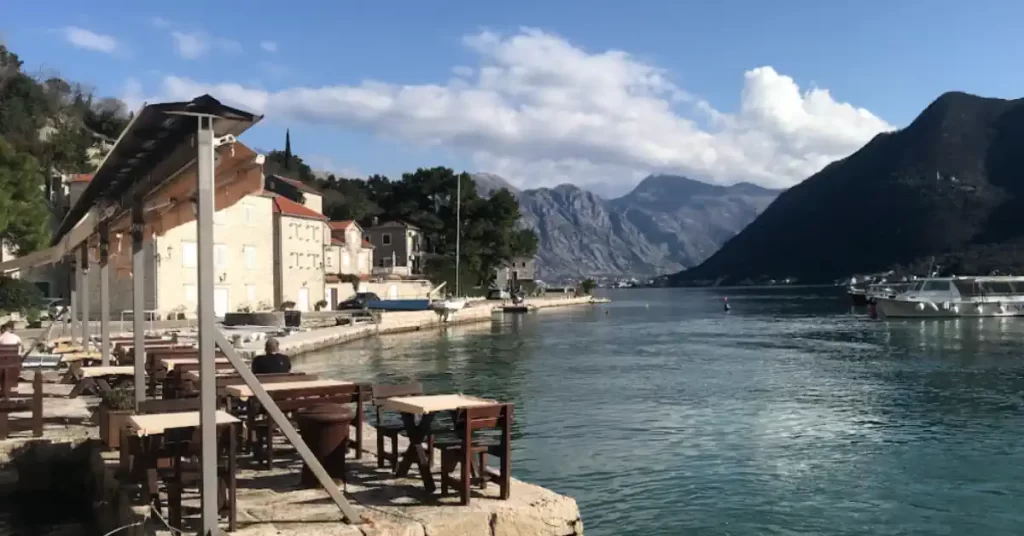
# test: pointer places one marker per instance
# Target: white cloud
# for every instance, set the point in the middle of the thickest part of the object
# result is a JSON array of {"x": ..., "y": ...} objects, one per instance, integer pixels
[
  {"x": 541, "y": 111},
  {"x": 82, "y": 38},
  {"x": 269, "y": 46},
  {"x": 194, "y": 45},
  {"x": 160, "y": 22}
]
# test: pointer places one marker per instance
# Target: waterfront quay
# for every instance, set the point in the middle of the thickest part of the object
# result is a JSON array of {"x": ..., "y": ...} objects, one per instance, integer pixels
[{"x": 273, "y": 501}]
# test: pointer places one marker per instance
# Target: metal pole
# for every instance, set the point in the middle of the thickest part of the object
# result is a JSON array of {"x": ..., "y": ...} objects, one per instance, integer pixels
[
  {"x": 83, "y": 292},
  {"x": 138, "y": 302},
  {"x": 458, "y": 231},
  {"x": 207, "y": 340},
  {"x": 73, "y": 313},
  {"x": 104, "y": 293}
]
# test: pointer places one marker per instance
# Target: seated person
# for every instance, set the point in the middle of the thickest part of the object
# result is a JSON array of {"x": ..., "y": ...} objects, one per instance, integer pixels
[
  {"x": 272, "y": 362},
  {"x": 7, "y": 336}
]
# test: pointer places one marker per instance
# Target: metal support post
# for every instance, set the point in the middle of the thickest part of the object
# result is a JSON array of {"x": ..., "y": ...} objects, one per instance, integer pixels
[
  {"x": 207, "y": 328},
  {"x": 138, "y": 302},
  {"x": 105, "y": 293},
  {"x": 83, "y": 292},
  {"x": 73, "y": 312}
]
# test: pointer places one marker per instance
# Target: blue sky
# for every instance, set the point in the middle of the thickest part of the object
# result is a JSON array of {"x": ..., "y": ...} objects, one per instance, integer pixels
[{"x": 530, "y": 90}]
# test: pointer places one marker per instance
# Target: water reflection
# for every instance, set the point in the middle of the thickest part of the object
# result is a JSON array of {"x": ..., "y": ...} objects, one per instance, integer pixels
[{"x": 789, "y": 415}]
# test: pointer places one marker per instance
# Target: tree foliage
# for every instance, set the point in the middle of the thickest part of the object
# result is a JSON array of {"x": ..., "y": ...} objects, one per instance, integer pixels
[
  {"x": 427, "y": 198},
  {"x": 18, "y": 296},
  {"x": 47, "y": 128}
]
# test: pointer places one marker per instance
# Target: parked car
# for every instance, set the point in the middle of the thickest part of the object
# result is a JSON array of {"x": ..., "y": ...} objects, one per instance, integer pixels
[{"x": 359, "y": 301}]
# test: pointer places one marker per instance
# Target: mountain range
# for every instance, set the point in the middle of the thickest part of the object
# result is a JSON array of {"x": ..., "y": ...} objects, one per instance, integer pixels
[
  {"x": 666, "y": 223},
  {"x": 948, "y": 189}
]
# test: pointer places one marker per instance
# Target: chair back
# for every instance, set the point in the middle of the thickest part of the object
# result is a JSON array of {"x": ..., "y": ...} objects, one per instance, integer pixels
[
  {"x": 384, "y": 391},
  {"x": 170, "y": 405},
  {"x": 484, "y": 417}
]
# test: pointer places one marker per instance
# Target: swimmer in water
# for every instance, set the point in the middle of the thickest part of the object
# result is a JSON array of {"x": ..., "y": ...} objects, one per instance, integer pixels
[{"x": 726, "y": 302}]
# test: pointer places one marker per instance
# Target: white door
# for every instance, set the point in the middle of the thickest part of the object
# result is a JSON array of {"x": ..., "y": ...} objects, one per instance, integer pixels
[
  {"x": 303, "y": 302},
  {"x": 220, "y": 302}
]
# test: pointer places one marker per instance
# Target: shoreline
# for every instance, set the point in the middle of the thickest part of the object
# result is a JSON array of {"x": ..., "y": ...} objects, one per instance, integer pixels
[{"x": 402, "y": 322}]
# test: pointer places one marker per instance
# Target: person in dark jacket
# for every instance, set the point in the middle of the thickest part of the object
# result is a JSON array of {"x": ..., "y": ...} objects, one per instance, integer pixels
[{"x": 272, "y": 362}]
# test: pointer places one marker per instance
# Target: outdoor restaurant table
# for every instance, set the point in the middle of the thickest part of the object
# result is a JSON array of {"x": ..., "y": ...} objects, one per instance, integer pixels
[
  {"x": 426, "y": 406},
  {"x": 155, "y": 425},
  {"x": 243, "y": 392},
  {"x": 193, "y": 375},
  {"x": 170, "y": 362}
]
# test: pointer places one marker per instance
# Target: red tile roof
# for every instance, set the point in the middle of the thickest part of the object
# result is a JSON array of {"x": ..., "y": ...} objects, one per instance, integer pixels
[
  {"x": 337, "y": 242},
  {"x": 298, "y": 184},
  {"x": 367, "y": 244},
  {"x": 287, "y": 207},
  {"x": 82, "y": 177},
  {"x": 340, "y": 224}
]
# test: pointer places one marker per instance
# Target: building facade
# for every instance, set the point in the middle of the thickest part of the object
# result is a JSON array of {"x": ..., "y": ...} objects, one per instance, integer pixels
[
  {"x": 299, "y": 236},
  {"x": 397, "y": 248},
  {"x": 516, "y": 271}
]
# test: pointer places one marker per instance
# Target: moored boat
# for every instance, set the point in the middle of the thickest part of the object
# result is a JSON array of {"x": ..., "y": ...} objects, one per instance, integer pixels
[{"x": 955, "y": 297}]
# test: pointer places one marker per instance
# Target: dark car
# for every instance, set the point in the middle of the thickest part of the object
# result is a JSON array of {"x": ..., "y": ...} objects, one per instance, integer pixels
[{"x": 358, "y": 301}]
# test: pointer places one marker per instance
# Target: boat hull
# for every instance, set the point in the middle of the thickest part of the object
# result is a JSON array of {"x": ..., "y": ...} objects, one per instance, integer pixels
[
  {"x": 859, "y": 298},
  {"x": 892, "y": 308},
  {"x": 399, "y": 305}
]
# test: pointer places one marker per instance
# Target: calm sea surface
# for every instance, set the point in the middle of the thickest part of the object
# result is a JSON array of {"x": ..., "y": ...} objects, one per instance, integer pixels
[{"x": 791, "y": 414}]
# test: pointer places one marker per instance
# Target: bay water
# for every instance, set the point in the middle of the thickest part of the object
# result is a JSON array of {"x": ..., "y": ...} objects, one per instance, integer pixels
[{"x": 790, "y": 414}]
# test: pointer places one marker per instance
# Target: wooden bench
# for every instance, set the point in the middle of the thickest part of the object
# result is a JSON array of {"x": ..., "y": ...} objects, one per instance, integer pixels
[{"x": 292, "y": 400}]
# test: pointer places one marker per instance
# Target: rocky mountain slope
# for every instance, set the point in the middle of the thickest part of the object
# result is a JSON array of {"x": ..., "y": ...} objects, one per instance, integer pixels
[
  {"x": 665, "y": 224},
  {"x": 949, "y": 185}
]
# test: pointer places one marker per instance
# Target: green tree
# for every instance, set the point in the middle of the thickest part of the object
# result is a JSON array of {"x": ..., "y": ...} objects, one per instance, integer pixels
[
  {"x": 19, "y": 296},
  {"x": 24, "y": 215},
  {"x": 587, "y": 286}
]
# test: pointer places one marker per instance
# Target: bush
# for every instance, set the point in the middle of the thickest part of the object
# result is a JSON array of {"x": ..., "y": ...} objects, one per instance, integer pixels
[
  {"x": 118, "y": 399},
  {"x": 587, "y": 287},
  {"x": 18, "y": 296}
]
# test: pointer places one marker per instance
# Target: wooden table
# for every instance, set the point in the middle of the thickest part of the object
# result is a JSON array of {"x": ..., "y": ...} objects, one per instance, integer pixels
[
  {"x": 170, "y": 362},
  {"x": 95, "y": 380},
  {"x": 425, "y": 406},
  {"x": 146, "y": 430},
  {"x": 242, "y": 391}
]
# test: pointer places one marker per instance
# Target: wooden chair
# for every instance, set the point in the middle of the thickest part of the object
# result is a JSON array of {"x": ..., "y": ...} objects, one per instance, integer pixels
[
  {"x": 468, "y": 449},
  {"x": 184, "y": 447},
  {"x": 389, "y": 425},
  {"x": 10, "y": 369},
  {"x": 262, "y": 428}
]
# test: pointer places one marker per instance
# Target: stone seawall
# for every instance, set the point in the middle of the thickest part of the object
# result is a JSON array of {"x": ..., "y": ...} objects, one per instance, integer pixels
[{"x": 398, "y": 322}]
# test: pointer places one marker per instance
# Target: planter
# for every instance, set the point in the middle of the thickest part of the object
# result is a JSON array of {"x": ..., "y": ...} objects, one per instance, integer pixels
[
  {"x": 35, "y": 324},
  {"x": 111, "y": 423},
  {"x": 268, "y": 318}
]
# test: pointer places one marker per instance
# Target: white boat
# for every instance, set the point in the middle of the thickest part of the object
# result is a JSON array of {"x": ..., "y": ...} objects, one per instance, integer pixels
[
  {"x": 956, "y": 297},
  {"x": 449, "y": 305}
]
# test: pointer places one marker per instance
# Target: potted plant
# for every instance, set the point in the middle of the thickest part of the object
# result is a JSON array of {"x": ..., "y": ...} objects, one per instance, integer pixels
[
  {"x": 320, "y": 304},
  {"x": 178, "y": 313},
  {"x": 32, "y": 318},
  {"x": 286, "y": 305},
  {"x": 116, "y": 406}
]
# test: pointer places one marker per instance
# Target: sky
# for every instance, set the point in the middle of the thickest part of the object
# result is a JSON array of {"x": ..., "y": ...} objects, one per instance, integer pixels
[{"x": 598, "y": 93}]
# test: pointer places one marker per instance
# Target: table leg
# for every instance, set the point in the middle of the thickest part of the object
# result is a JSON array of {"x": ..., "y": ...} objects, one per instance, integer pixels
[
  {"x": 417, "y": 433},
  {"x": 232, "y": 482}
]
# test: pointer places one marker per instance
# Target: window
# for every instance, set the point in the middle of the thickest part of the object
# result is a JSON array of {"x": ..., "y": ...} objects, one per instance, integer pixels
[
  {"x": 329, "y": 261},
  {"x": 191, "y": 294},
  {"x": 344, "y": 259},
  {"x": 936, "y": 286},
  {"x": 313, "y": 232},
  {"x": 385, "y": 239},
  {"x": 250, "y": 215},
  {"x": 250, "y": 257},
  {"x": 250, "y": 294},
  {"x": 189, "y": 258},
  {"x": 220, "y": 217},
  {"x": 220, "y": 256},
  {"x": 292, "y": 259}
]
